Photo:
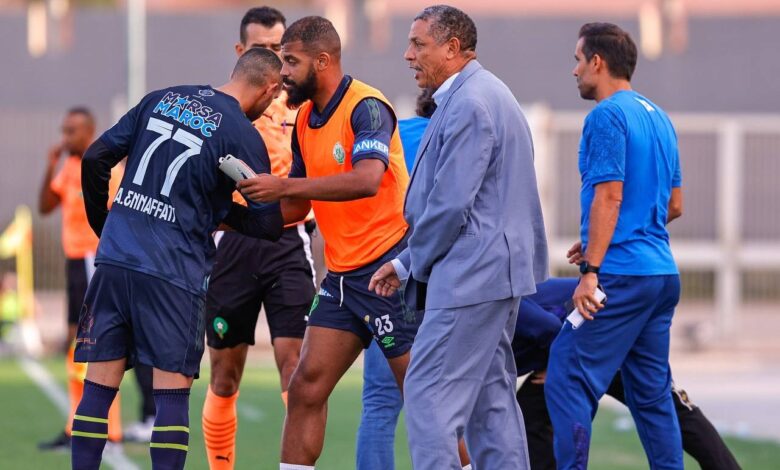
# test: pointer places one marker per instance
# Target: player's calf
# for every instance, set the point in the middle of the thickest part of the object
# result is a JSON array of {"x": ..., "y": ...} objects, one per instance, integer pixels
[
  {"x": 307, "y": 391},
  {"x": 304, "y": 427},
  {"x": 90, "y": 426},
  {"x": 220, "y": 419},
  {"x": 287, "y": 353},
  {"x": 227, "y": 368}
]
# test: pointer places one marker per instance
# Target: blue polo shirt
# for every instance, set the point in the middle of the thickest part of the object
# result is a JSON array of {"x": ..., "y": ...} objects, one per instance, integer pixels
[
  {"x": 628, "y": 138},
  {"x": 411, "y": 131}
]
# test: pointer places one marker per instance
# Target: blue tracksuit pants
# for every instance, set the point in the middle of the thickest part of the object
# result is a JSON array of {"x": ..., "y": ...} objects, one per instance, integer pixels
[{"x": 630, "y": 333}]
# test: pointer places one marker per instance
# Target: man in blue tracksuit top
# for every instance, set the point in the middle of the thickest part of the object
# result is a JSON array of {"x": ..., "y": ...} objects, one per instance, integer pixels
[{"x": 630, "y": 170}]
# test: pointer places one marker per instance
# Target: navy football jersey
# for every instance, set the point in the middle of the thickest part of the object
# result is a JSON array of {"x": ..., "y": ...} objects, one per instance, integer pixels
[{"x": 173, "y": 195}]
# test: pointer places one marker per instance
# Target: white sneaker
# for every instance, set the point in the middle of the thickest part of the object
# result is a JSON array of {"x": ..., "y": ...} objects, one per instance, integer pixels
[
  {"x": 140, "y": 431},
  {"x": 113, "y": 448}
]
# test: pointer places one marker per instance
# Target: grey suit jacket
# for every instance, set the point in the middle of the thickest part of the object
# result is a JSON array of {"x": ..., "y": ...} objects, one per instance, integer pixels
[{"x": 477, "y": 232}]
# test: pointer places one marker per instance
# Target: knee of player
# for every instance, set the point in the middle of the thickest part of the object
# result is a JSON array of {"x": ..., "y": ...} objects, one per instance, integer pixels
[
  {"x": 288, "y": 363},
  {"x": 306, "y": 390},
  {"x": 223, "y": 385}
]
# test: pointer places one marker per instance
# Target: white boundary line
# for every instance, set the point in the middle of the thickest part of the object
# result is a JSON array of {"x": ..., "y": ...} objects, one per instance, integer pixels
[{"x": 38, "y": 374}]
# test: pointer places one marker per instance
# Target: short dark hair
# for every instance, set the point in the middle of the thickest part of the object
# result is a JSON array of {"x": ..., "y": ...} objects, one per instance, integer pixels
[
  {"x": 448, "y": 22},
  {"x": 84, "y": 111},
  {"x": 266, "y": 16},
  {"x": 613, "y": 45},
  {"x": 426, "y": 105},
  {"x": 316, "y": 33},
  {"x": 256, "y": 64}
]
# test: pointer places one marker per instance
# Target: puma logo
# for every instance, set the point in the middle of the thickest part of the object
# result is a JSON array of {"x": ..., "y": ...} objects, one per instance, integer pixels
[{"x": 225, "y": 458}]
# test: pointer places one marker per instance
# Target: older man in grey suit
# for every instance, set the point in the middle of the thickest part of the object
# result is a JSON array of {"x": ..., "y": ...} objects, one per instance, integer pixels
[{"x": 477, "y": 246}]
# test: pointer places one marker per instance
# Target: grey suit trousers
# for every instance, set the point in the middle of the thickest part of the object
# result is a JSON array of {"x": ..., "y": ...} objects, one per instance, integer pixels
[{"x": 461, "y": 383}]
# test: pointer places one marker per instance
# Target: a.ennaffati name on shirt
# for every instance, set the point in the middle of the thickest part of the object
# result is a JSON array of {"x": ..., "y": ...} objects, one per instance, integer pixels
[{"x": 145, "y": 204}]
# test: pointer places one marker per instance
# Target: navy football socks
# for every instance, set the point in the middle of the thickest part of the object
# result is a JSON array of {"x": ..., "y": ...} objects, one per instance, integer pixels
[
  {"x": 90, "y": 426},
  {"x": 171, "y": 432}
]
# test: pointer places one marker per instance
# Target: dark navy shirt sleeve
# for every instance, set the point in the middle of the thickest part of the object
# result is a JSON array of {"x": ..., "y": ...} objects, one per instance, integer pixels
[
  {"x": 298, "y": 168},
  {"x": 605, "y": 135},
  {"x": 119, "y": 138},
  {"x": 255, "y": 154},
  {"x": 373, "y": 123}
]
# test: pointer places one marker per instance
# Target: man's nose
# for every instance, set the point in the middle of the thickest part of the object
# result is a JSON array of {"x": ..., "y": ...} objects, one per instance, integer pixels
[{"x": 409, "y": 54}]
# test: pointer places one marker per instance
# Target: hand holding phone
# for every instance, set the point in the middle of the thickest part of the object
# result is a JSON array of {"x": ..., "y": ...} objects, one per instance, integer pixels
[{"x": 575, "y": 317}]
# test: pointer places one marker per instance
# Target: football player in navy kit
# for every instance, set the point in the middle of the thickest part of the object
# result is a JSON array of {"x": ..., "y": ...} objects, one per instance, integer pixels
[{"x": 145, "y": 302}]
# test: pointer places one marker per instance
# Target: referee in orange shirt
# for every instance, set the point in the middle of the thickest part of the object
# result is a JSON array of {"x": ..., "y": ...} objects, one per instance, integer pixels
[
  {"x": 80, "y": 244},
  {"x": 250, "y": 273}
]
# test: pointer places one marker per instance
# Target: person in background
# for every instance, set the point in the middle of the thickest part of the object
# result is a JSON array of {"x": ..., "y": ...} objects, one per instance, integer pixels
[
  {"x": 63, "y": 189},
  {"x": 250, "y": 273},
  {"x": 413, "y": 128},
  {"x": 541, "y": 316},
  {"x": 141, "y": 430}
]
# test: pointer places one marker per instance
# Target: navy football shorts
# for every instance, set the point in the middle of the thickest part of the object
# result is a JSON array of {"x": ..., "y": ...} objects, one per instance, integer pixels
[
  {"x": 77, "y": 271},
  {"x": 345, "y": 303},
  {"x": 142, "y": 318}
]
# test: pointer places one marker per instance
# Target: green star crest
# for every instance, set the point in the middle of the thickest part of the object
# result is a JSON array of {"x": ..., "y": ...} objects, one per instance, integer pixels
[
  {"x": 339, "y": 154},
  {"x": 220, "y": 327}
]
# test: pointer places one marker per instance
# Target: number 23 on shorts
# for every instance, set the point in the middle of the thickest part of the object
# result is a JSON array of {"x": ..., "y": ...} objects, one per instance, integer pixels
[{"x": 383, "y": 325}]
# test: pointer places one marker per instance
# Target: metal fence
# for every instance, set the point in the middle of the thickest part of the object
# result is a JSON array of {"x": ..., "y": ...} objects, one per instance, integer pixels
[{"x": 727, "y": 244}]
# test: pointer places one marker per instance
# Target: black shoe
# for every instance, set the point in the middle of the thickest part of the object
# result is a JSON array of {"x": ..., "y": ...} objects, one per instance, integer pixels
[{"x": 59, "y": 443}]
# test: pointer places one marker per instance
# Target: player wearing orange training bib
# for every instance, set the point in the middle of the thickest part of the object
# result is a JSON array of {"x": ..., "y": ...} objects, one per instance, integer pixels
[{"x": 348, "y": 166}]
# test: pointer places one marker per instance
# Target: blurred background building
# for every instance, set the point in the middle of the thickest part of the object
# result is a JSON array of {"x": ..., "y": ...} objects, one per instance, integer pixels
[{"x": 711, "y": 63}]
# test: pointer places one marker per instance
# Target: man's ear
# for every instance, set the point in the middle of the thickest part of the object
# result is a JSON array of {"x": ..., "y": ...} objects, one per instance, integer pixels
[
  {"x": 275, "y": 88},
  {"x": 322, "y": 61},
  {"x": 239, "y": 49},
  {"x": 598, "y": 62},
  {"x": 453, "y": 48}
]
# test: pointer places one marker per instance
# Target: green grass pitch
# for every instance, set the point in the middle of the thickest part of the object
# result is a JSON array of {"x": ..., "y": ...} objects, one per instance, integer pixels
[{"x": 28, "y": 416}]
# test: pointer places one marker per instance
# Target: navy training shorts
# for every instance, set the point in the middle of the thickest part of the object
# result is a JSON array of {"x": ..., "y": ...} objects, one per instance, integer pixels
[
  {"x": 142, "y": 318},
  {"x": 345, "y": 303}
]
